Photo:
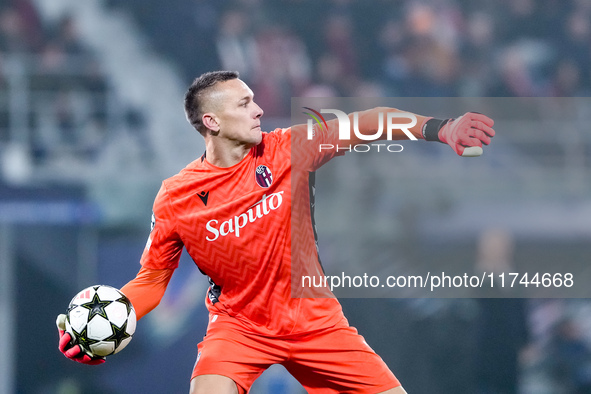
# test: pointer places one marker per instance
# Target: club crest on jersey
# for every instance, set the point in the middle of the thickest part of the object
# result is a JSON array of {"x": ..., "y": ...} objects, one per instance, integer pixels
[
  {"x": 152, "y": 222},
  {"x": 263, "y": 176}
]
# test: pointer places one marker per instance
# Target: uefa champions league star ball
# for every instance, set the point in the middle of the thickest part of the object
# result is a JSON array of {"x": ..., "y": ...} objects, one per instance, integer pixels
[{"x": 101, "y": 320}]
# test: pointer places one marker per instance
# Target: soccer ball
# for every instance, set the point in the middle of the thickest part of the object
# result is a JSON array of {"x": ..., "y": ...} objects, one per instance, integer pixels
[{"x": 101, "y": 319}]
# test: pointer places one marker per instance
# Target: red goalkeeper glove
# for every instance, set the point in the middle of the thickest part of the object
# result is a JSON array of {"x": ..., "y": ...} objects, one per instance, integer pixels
[
  {"x": 73, "y": 351},
  {"x": 465, "y": 135}
]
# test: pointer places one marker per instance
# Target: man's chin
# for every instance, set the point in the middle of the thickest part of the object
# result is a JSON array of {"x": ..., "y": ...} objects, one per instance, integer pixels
[
  {"x": 259, "y": 138},
  {"x": 255, "y": 140}
]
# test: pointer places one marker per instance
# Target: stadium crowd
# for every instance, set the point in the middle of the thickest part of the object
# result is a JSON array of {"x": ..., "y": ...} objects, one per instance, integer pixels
[
  {"x": 57, "y": 100},
  {"x": 439, "y": 48},
  {"x": 289, "y": 48},
  {"x": 51, "y": 65}
]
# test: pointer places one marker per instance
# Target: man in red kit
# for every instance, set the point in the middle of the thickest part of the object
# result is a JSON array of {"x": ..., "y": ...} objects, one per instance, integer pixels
[{"x": 232, "y": 210}]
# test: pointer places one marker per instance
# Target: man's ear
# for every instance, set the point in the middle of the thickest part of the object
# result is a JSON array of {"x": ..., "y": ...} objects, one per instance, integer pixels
[{"x": 210, "y": 121}]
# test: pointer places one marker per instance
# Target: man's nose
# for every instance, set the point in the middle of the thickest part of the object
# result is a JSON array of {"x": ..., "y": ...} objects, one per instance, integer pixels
[{"x": 259, "y": 112}]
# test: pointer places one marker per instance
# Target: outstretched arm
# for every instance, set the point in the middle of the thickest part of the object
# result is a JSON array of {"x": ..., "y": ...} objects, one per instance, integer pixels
[
  {"x": 466, "y": 135},
  {"x": 314, "y": 144}
]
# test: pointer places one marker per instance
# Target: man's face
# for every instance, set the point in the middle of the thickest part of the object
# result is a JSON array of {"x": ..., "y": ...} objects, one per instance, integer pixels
[{"x": 237, "y": 115}]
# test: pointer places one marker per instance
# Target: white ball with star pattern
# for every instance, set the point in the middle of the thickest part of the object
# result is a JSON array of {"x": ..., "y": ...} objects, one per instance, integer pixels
[{"x": 101, "y": 319}]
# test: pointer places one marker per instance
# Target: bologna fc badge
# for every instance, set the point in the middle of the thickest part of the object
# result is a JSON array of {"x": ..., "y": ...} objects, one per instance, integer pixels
[{"x": 263, "y": 176}]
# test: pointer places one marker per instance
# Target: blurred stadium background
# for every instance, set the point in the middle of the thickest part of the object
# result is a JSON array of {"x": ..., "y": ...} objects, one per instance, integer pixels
[{"x": 91, "y": 121}]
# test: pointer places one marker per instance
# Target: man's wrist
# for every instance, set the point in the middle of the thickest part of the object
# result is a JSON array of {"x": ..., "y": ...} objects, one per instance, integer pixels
[{"x": 430, "y": 129}]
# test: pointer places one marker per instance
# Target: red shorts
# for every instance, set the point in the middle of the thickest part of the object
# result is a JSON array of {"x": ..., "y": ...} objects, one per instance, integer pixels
[{"x": 333, "y": 360}]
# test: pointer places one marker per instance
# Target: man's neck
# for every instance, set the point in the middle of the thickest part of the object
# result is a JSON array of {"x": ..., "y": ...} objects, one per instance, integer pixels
[{"x": 225, "y": 154}]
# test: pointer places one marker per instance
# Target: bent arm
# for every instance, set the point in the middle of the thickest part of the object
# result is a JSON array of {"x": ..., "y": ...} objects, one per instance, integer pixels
[
  {"x": 147, "y": 289},
  {"x": 465, "y": 135}
]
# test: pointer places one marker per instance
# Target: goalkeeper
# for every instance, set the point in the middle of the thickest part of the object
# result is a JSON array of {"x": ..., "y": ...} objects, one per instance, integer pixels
[{"x": 243, "y": 210}]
